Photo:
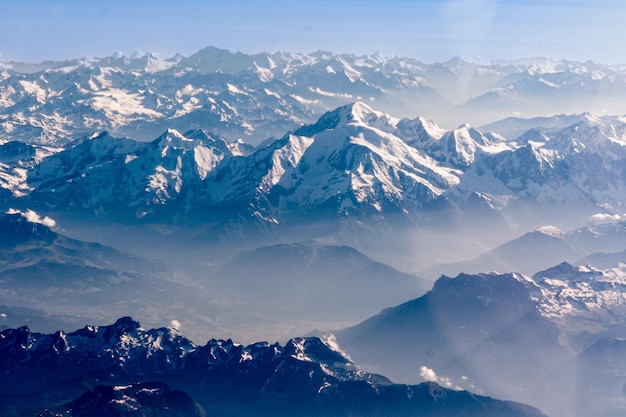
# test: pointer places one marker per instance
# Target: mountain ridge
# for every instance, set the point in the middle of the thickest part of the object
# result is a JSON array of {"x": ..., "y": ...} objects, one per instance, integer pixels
[
  {"x": 264, "y": 95},
  {"x": 306, "y": 374}
]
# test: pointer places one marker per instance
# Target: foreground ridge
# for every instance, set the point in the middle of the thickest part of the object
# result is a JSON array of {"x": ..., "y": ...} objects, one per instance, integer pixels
[{"x": 306, "y": 376}]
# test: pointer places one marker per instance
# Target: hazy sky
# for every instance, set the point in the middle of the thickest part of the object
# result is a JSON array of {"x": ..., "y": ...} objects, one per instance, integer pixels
[{"x": 429, "y": 30}]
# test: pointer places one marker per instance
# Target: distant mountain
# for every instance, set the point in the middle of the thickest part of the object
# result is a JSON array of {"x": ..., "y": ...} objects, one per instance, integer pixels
[
  {"x": 547, "y": 88},
  {"x": 260, "y": 96},
  {"x": 324, "y": 282},
  {"x": 605, "y": 260},
  {"x": 234, "y": 94},
  {"x": 513, "y": 128},
  {"x": 509, "y": 335},
  {"x": 15, "y": 316},
  {"x": 64, "y": 281},
  {"x": 306, "y": 376},
  {"x": 33, "y": 256},
  {"x": 540, "y": 249}
]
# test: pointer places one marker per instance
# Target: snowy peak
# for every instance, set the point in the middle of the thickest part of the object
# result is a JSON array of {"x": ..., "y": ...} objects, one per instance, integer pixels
[
  {"x": 355, "y": 151},
  {"x": 312, "y": 349},
  {"x": 592, "y": 134},
  {"x": 356, "y": 114},
  {"x": 460, "y": 146},
  {"x": 533, "y": 136},
  {"x": 418, "y": 131},
  {"x": 552, "y": 231},
  {"x": 145, "y": 174},
  {"x": 216, "y": 142},
  {"x": 455, "y": 148},
  {"x": 176, "y": 140},
  {"x": 361, "y": 114},
  {"x": 264, "y": 95}
]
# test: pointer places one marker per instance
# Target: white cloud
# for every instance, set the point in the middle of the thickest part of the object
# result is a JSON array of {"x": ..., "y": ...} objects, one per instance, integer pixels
[
  {"x": 175, "y": 324},
  {"x": 33, "y": 217},
  {"x": 428, "y": 374},
  {"x": 331, "y": 342},
  {"x": 606, "y": 218}
]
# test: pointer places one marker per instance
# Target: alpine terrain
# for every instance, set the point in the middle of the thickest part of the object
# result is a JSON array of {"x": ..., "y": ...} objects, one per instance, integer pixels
[{"x": 291, "y": 196}]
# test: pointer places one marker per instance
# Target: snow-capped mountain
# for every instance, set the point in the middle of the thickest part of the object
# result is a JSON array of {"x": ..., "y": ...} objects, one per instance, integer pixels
[
  {"x": 348, "y": 162},
  {"x": 584, "y": 300},
  {"x": 102, "y": 173},
  {"x": 238, "y": 95},
  {"x": 307, "y": 376},
  {"x": 578, "y": 166},
  {"x": 354, "y": 161},
  {"x": 170, "y": 171},
  {"x": 264, "y": 95},
  {"x": 16, "y": 160},
  {"x": 550, "y": 87}
]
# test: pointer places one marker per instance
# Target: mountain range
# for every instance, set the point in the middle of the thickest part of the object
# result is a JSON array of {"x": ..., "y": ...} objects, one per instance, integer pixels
[
  {"x": 356, "y": 175},
  {"x": 270, "y": 195},
  {"x": 600, "y": 245},
  {"x": 353, "y": 161},
  {"x": 264, "y": 95},
  {"x": 118, "y": 363}
]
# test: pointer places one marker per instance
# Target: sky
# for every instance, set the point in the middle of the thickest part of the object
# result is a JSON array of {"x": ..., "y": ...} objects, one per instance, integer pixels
[{"x": 428, "y": 30}]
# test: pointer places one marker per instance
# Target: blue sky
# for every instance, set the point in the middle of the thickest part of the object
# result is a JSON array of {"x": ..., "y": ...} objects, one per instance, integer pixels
[{"x": 429, "y": 30}]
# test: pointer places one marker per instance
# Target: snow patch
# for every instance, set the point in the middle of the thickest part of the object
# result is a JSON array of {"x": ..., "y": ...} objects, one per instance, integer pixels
[
  {"x": 329, "y": 94},
  {"x": 271, "y": 93},
  {"x": 130, "y": 158},
  {"x": 264, "y": 74},
  {"x": 234, "y": 90},
  {"x": 552, "y": 231}
]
